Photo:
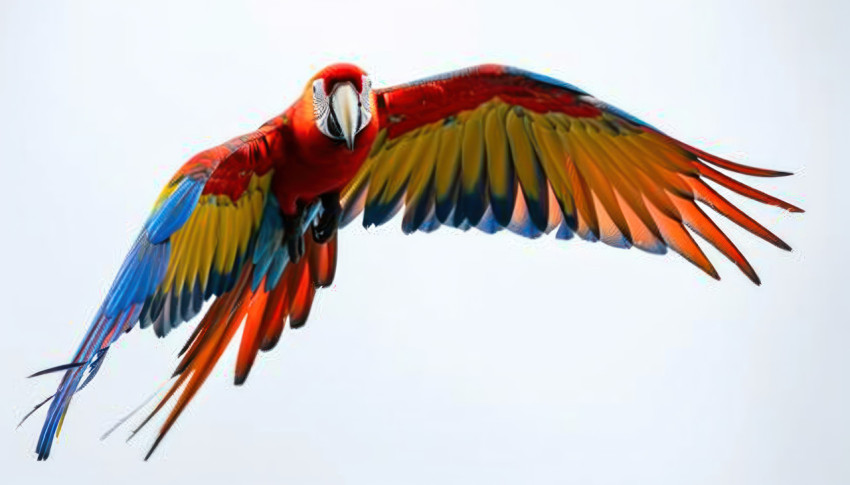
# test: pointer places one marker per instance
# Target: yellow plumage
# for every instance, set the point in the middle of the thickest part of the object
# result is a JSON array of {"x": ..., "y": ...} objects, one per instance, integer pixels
[
  {"x": 448, "y": 161},
  {"x": 523, "y": 154},
  {"x": 499, "y": 169},
  {"x": 472, "y": 151}
]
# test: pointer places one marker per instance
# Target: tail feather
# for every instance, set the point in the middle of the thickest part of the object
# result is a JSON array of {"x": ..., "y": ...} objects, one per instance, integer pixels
[
  {"x": 274, "y": 316},
  {"x": 70, "y": 382},
  {"x": 262, "y": 313},
  {"x": 102, "y": 333},
  {"x": 215, "y": 341},
  {"x": 251, "y": 335},
  {"x": 58, "y": 368},
  {"x": 35, "y": 408}
]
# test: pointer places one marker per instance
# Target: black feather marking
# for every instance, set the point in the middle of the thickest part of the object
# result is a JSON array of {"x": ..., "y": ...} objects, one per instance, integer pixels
[
  {"x": 58, "y": 368},
  {"x": 36, "y": 408},
  {"x": 190, "y": 340}
]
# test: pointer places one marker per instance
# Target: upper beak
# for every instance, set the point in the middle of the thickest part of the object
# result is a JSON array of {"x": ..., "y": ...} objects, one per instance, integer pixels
[{"x": 345, "y": 104}]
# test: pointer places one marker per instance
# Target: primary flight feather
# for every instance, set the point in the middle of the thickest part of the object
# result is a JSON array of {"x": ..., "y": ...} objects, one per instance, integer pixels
[{"x": 252, "y": 223}]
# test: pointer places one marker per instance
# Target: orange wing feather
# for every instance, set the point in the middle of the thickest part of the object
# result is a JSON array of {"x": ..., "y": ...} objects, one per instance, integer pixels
[{"x": 611, "y": 176}]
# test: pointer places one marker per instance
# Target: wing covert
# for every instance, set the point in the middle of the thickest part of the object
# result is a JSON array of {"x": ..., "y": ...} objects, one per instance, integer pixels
[
  {"x": 193, "y": 246},
  {"x": 496, "y": 147}
]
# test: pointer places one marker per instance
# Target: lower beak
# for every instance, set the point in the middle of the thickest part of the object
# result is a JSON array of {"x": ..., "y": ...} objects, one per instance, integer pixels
[{"x": 346, "y": 106}]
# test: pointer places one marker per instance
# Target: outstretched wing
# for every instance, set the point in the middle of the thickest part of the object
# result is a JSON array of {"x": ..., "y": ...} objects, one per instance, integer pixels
[
  {"x": 496, "y": 147},
  {"x": 213, "y": 226}
]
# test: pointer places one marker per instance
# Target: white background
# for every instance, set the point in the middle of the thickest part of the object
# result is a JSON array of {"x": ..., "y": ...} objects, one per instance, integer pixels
[{"x": 450, "y": 357}]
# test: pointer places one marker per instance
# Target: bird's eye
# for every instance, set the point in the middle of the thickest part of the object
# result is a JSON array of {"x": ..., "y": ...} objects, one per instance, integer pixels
[
  {"x": 320, "y": 100},
  {"x": 365, "y": 103}
]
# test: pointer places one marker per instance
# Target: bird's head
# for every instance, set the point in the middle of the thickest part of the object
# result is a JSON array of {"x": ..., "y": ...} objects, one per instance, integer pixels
[{"x": 342, "y": 102}]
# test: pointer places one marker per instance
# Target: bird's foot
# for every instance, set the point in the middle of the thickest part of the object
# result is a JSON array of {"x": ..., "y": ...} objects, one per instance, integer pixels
[
  {"x": 292, "y": 237},
  {"x": 327, "y": 224}
]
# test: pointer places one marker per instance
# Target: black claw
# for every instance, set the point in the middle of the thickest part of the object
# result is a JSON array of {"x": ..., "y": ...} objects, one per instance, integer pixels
[
  {"x": 327, "y": 224},
  {"x": 292, "y": 237},
  {"x": 295, "y": 246}
]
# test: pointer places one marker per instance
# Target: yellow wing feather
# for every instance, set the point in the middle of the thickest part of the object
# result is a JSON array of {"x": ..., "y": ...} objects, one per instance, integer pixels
[{"x": 602, "y": 177}]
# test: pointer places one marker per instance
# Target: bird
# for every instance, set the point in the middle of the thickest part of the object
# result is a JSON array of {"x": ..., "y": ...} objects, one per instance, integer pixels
[{"x": 252, "y": 224}]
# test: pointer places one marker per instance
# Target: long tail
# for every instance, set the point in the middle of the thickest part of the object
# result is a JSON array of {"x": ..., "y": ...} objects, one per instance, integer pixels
[
  {"x": 264, "y": 312},
  {"x": 142, "y": 269},
  {"x": 89, "y": 356}
]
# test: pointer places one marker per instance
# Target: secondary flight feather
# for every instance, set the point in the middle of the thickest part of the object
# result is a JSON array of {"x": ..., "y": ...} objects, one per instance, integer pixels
[{"x": 252, "y": 224}]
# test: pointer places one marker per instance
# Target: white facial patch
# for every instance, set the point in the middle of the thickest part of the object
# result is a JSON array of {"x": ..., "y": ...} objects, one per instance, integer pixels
[{"x": 336, "y": 114}]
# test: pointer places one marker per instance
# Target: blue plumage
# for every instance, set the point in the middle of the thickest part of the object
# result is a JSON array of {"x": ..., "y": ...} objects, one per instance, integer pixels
[
  {"x": 175, "y": 210},
  {"x": 564, "y": 232},
  {"x": 279, "y": 261},
  {"x": 543, "y": 79},
  {"x": 127, "y": 301}
]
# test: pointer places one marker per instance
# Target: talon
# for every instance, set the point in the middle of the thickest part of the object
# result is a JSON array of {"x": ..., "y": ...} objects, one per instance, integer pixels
[
  {"x": 328, "y": 223},
  {"x": 293, "y": 239},
  {"x": 295, "y": 247}
]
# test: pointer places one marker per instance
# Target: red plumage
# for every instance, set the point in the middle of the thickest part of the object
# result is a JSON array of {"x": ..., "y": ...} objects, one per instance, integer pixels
[{"x": 490, "y": 147}]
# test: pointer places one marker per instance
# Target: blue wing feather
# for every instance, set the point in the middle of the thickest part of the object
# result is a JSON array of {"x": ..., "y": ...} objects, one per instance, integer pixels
[{"x": 140, "y": 274}]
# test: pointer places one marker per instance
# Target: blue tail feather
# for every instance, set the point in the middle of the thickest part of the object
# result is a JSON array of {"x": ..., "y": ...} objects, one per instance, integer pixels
[{"x": 70, "y": 382}]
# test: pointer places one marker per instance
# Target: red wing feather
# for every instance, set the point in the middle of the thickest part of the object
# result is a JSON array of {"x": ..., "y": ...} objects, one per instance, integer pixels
[{"x": 508, "y": 142}]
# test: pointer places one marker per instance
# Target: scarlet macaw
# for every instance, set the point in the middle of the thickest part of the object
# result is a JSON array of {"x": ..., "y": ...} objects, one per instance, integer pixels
[{"x": 253, "y": 222}]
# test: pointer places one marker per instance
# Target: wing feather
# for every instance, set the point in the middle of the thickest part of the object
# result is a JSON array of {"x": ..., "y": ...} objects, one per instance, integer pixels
[
  {"x": 419, "y": 198},
  {"x": 529, "y": 173},
  {"x": 473, "y": 198},
  {"x": 526, "y": 152},
  {"x": 588, "y": 228},
  {"x": 591, "y": 165},
  {"x": 197, "y": 244},
  {"x": 447, "y": 170},
  {"x": 551, "y": 155},
  {"x": 500, "y": 165}
]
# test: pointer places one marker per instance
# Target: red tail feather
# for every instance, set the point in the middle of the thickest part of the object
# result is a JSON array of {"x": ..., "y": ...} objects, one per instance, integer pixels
[{"x": 263, "y": 313}]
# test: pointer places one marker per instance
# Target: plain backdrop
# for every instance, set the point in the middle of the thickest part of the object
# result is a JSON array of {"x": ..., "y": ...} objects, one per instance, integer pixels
[{"x": 450, "y": 357}]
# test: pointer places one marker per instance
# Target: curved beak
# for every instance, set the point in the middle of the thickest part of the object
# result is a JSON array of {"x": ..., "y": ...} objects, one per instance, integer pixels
[{"x": 345, "y": 104}]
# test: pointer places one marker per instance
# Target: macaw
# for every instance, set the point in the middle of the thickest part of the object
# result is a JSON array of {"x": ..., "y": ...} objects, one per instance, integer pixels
[{"x": 253, "y": 223}]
